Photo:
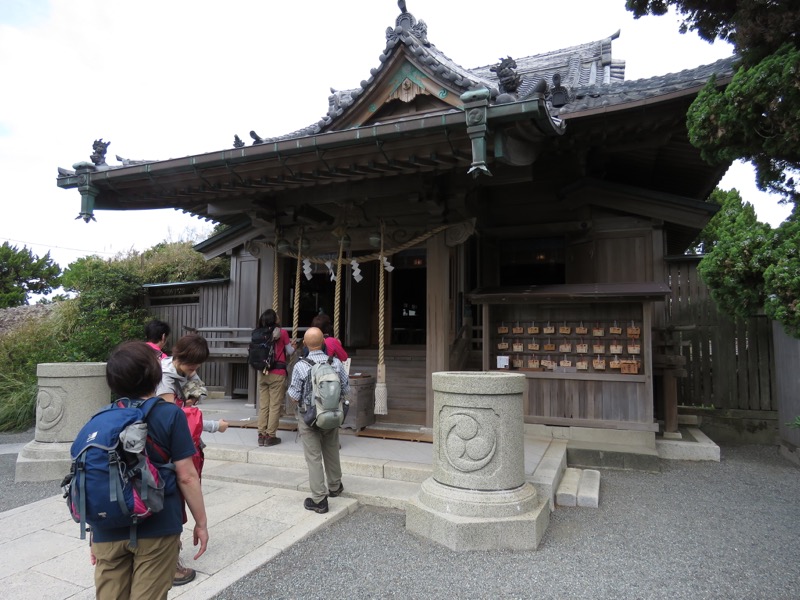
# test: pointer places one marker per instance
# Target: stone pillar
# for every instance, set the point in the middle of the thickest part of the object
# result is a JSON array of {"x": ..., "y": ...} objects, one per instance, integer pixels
[
  {"x": 477, "y": 497},
  {"x": 69, "y": 394}
]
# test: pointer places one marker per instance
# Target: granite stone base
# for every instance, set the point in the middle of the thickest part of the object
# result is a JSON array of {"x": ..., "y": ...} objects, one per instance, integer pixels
[
  {"x": 465, "y": 520},
  {"x": 43, "y": 461}
]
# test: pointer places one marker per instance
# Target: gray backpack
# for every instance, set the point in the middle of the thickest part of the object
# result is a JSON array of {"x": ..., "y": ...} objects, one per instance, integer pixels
[{"x": 327, "y": 409}]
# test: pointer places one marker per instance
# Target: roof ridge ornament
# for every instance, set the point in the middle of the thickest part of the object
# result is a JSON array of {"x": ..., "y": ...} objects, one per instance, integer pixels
[
  {"x": 407, "y": 23},
  {"x": 508, "y": 78},
  {"x": 559, "y": 95}
]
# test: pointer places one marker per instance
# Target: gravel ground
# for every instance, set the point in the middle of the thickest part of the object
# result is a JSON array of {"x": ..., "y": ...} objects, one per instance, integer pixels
[
  {"x": 13, "y": 494},
  {"x": 697, "y": 530}
]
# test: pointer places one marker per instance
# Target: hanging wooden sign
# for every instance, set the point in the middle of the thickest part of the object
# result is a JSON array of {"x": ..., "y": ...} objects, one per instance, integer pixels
[
  {"x": 549, "y": 329},
  {"x": 582, "y": 348},
  {"x": 634, "y": 348},
  {"x": 502, "y": 346},
  {"x": 615, "y": 348},
  {"x": 565, "y": 347},
  {"x": 502, "y": 330},
  {"x": 599, "y": 364},
  {"x": 533, "y": 363},
  {"x": 615, "y": 330},
  {"x": 533, "y": 330},
  {"x": 565, "y": 330},
  {"x": 598, "y": 348},
  {"x": 598, "y": 331},
  {"x": 533, "y": 346},
  {"x": 634, "y": 332},
  {"x": 517, "y": 330},
  {"x": 582, "y": 364},
  {"x": 518, "y": 346},
  {"x": 581, "y": 330}
]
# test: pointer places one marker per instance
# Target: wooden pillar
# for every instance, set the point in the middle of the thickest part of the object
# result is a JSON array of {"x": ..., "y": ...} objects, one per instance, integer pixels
[
  {"x": 670, "y": 388},
  {"x": 437, "y": 338}
]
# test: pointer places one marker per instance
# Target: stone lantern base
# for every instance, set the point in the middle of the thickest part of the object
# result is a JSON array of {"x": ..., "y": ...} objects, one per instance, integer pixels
[{"x": 464, "y": 520}]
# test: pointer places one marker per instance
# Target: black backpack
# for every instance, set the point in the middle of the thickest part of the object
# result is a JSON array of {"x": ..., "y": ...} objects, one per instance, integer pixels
[{"x": 262, "y": 352}]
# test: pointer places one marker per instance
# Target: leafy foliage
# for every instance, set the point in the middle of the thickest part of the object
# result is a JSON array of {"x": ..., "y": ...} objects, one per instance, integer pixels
[
  {"x": 751, "y": 267},
  {"x": 757, "y": 117},
  {"x": 21, "y": 350},
  {"x": 782, "y": 277},
  {"x": 23, "y": 273},
  {"x": 734, "y": 268}
]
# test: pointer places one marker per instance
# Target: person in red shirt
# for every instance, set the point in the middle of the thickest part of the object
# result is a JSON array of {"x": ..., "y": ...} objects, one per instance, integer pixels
[{"x": 272, "y": 384}]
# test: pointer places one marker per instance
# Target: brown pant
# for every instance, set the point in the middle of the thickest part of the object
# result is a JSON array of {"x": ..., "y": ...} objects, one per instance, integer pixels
[
  {"x": 141, "y": 573},
  {"x": 271, "y": 393}
]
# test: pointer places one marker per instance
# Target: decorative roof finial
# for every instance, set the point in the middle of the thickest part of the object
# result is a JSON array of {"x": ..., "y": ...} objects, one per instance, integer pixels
[
  {"x": 509, "y": 78},
  {"x": 99, "y": 155},
  {"x": 406, "y": 23}
]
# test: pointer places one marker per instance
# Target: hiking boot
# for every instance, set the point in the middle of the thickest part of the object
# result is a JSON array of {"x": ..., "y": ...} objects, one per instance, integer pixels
[
  {"x": 335, "y": 493},
  {"x": 183, "y": 575},
  {"x": 262, "y": 439},
  {"x": 272, "y": 440},
  {"x": 318, "y": 507}
]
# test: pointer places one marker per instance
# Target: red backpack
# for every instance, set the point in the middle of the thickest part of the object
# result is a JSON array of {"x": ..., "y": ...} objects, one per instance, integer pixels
[{"x": 194, "y": 417}]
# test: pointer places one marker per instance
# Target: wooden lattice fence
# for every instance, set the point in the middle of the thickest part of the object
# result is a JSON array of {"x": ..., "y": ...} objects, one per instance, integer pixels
[{"x": 729, "y": 362}]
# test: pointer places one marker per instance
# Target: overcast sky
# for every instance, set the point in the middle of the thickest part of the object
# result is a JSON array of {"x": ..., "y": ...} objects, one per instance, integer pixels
[{"x": 168, "y": 78}]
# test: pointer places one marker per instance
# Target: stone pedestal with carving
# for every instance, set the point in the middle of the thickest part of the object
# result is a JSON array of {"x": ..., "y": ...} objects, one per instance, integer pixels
[
  {"x": 69, "y": 394},
  {"x": 477, "y": 497}
]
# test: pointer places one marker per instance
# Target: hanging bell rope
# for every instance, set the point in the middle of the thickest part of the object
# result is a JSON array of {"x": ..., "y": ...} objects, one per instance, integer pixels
[
  {"x": 275, "y": 281},
  {"x": 337, "y": 298},
  {"x": 381, "y": 393},
  {"x": 296, "y": 307}
]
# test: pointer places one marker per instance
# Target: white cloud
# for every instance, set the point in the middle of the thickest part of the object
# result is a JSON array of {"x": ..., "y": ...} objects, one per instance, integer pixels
[{"x": 167, "y": 79}]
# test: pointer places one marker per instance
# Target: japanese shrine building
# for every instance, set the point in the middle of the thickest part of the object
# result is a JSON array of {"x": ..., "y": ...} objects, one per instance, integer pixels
[{"x": 526, "y": 209}]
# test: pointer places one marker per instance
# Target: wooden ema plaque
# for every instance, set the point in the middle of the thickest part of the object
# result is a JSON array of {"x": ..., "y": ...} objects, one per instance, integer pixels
[
  {"x": 582, "y": 348},
  {"x": 615, "y": 348},
  {"x": 615, "y": 330},
  {"x": 517, "y": 346},
  {"x": 598, "y": 331},
  {"x": 598, "y": 348},
  {"x": 549, "y": 329},
  {"x": 582, "y": 364},
  {"x": 533, "y": 346},
  {"x": 517, "y": 330},
  {"x": 581, "y": 330},
  {"x": 629, "y": 367},
  {"x": 502, "y": 330},
  {"x": 599, "y": 364},
  {"x": 502, "y": 346},
  {"x": 634, "y": 348},
  {"x": 565, "y": 347},
  {"x": 533, "y": 330},
  {"x": 533, "y": 363},
  {"x": 549, "y": 347},
  {"x": 564, "y": 330},
  {"x": 634, "y": 332}
]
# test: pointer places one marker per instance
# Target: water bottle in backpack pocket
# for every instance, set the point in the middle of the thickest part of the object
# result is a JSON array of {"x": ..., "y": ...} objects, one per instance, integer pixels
[{"x": 112, "y": 483}]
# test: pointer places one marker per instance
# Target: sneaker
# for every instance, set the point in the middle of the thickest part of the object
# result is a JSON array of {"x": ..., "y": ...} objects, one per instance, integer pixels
[
  {"x": 335, "y": 493},
  {"x": 272, "y": 440},
  {"x": 183, "y": 575},
  {"x": 262, "y": 439},
  {"x": 318, "y": 507}
]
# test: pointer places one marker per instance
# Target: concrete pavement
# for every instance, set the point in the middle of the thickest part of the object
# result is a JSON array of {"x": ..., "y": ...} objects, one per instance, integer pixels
[{"x": 254, "y": 502}]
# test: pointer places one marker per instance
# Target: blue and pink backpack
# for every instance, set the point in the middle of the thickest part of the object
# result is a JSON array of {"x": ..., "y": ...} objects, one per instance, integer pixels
[{"x": 112, "y": 483}]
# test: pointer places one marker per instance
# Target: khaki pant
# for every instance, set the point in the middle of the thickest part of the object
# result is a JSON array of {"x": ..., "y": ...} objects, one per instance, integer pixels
[
  {"x": 320, "y": 447},
  {"x": 141, "y": 573},
  {"x": 271, "y": 392}
]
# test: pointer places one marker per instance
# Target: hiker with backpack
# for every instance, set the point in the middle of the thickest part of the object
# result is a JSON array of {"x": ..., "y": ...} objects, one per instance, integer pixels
[
  {"x": 269, "y": 352},
  {"x": 137, "y": 560},
  {"x": 318, "y": 389},
  {"x": 181, "y": 385}
]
